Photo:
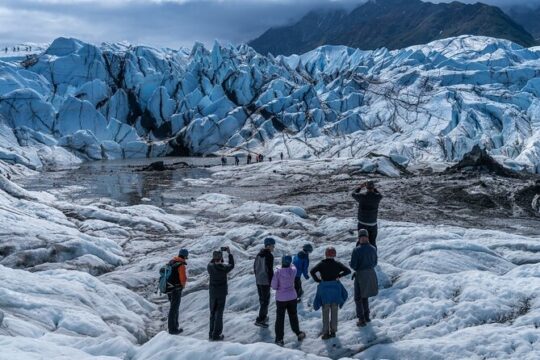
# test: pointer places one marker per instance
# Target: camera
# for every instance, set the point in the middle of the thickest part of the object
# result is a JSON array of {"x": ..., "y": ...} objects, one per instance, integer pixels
[{"x": 224, "y": 248}]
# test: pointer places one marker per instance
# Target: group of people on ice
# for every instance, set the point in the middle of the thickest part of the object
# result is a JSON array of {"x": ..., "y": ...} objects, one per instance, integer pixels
[
  {"x": 286, "y": 279},
  {"x": 249, "y": 158}
]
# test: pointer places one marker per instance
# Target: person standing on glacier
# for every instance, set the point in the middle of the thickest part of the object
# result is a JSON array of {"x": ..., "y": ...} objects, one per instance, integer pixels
[
  {"x": 368, "y": 209},
  {"x": 248, "y": 159},
  {"x": 236, "y": 160},
  {"x": 263, "y": 267},
  {"x": 363, "y": 262},
  {"x": 283, "y": 284},
  {"x": 218, "y": 290},
  {"x": 301, "y": 263},
  {"x": 223, "y": 160},
  {"x": 331, "y": 294},
  {"x": 176, "y": 284}
]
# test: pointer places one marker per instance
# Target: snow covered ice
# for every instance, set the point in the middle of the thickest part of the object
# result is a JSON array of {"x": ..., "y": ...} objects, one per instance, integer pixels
[
  {"x": 80, "y": 249},
  {"x": 79, "y": 278}
]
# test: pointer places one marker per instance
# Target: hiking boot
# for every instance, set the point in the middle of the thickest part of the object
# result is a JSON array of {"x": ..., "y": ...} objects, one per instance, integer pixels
[
  {"x": 301, "y": 336},
  {"x": 280, "y": 343},
  {"x": 218, "y": 338},
  {"x": 261, "y": 324},
  {"x": 361, "y": 323},
  {"x": 367, "y": 318},
  {"x": 326, "y": 336},
  {"x": 176, "y": 332},
  {"x": 333, "y": 334}
]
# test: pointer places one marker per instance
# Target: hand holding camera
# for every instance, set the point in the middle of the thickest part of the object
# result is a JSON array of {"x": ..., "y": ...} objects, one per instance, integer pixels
[{"x": 226, "y": 249}]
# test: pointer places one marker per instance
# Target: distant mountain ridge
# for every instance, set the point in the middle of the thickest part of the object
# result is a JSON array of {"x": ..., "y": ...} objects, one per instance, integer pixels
[{"x": 393, "y": 24}]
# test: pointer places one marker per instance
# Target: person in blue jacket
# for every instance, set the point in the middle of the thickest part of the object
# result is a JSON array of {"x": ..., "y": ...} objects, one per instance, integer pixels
[
  {"x": 363, "y": 262},
  {"x": 331, "y": 294},
  {"x": 301, "y": 263}
]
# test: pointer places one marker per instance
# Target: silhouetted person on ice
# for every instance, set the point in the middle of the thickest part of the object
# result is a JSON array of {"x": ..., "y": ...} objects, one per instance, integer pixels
[
  {"x": 236, "y": 160},
  {"x": 248, "y": 159},
  {"x": 281, "y": 156},
  {"x": 218, "y": 290},
  {"x": 283, "y": 284},
  {"x": 263, "y": 267},
  {"x": 223, "y": 161},
  {"x": 363, "y": 262},
  {"x": 368, "y": 209}
]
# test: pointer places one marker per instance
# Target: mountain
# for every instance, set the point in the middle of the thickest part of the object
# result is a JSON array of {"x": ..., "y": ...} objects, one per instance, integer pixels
[
  {"x": 526, "y": 16},
  {"x": 392, "y": 24},
  {"x": 419, "y": 105}
]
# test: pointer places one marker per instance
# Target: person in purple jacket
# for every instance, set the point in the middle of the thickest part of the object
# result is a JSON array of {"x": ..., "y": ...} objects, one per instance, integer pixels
[{"x": 283, "y": 284}]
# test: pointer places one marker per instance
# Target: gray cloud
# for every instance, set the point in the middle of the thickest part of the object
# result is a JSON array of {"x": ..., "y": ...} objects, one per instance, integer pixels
[{"x": 170, "y": 23}]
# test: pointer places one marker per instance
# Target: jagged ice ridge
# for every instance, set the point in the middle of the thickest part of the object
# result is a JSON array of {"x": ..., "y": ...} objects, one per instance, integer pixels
[{"x": 419, "y": 105}]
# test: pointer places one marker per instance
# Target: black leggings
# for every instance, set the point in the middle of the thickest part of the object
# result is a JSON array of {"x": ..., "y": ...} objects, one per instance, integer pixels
[{"x": 290, "y": 308}]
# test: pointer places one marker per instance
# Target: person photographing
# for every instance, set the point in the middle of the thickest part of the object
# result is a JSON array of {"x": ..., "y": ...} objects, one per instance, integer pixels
[
  {"x": 368, "y": 209},
  {"x": 218, "y": 289}
]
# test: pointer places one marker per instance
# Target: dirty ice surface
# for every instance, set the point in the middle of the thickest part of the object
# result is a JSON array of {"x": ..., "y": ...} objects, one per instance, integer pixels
[{"x": 78, "y": 268}]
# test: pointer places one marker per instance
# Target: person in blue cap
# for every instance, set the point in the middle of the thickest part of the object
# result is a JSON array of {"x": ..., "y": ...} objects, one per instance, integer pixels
[
  {"x": 301, "y": 263},
  {"x": 263, "y": 267}
]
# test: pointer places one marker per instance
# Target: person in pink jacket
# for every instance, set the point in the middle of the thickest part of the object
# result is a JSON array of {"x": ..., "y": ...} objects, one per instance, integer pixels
[{"x": 283, "y": 284}]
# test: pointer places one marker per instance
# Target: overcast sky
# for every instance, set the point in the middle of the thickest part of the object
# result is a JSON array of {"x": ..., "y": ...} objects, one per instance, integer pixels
[{"x": 171, "y": 23}]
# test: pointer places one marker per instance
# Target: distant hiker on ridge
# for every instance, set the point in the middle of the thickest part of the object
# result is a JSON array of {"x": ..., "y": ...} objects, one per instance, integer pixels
[
  {"x": 281, "y": 156},
  {"x": 368, "y": 209},
  {"x": 218, "y": 289},
  {"x": 236, "y": 160},
  {"x": 263, "y": 267},
  {"x": 223, "y": 160},
  {"x": 363, "y": 262},
  {"x": 283, "y": 283},
  {"x": 331, "y": 294},
  {"x": 176, "y": 283},
  {"x": 301, "y": 263},
  {"x": 248, "y": 159}
]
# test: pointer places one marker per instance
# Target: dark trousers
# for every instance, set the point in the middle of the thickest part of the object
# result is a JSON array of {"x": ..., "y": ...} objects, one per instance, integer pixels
[
  {"x": 372, "y": 231},
  {"x": 298, "y": 287},
  {"x": 174, "y": 298},
  {"x": 362, "y": 303},
  {"x": 290, "y": 308},
  {"x": 217, "y": 306},
  {"x": 264, "y": 301}
]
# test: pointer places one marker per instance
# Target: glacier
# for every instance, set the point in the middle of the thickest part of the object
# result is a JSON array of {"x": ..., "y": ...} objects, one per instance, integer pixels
[{"x": 418, "y": 106}]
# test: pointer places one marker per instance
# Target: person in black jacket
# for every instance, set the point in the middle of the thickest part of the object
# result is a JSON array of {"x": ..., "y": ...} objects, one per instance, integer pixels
[
  {"x": 263, "y": 267},
  {"x": 217, "y": 272},
  {"x": 329, "y": 269},
  {"x": 368, "y": 209}
]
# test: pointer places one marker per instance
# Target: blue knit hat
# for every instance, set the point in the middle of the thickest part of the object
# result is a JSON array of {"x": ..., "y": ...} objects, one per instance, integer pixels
[
  {"x": 307, "y": 248},
  {"x": 286, "y": 260}
]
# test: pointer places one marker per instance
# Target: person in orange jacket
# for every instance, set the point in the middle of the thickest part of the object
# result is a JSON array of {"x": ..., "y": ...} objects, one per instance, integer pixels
[{"x": 177, "y": 283}]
